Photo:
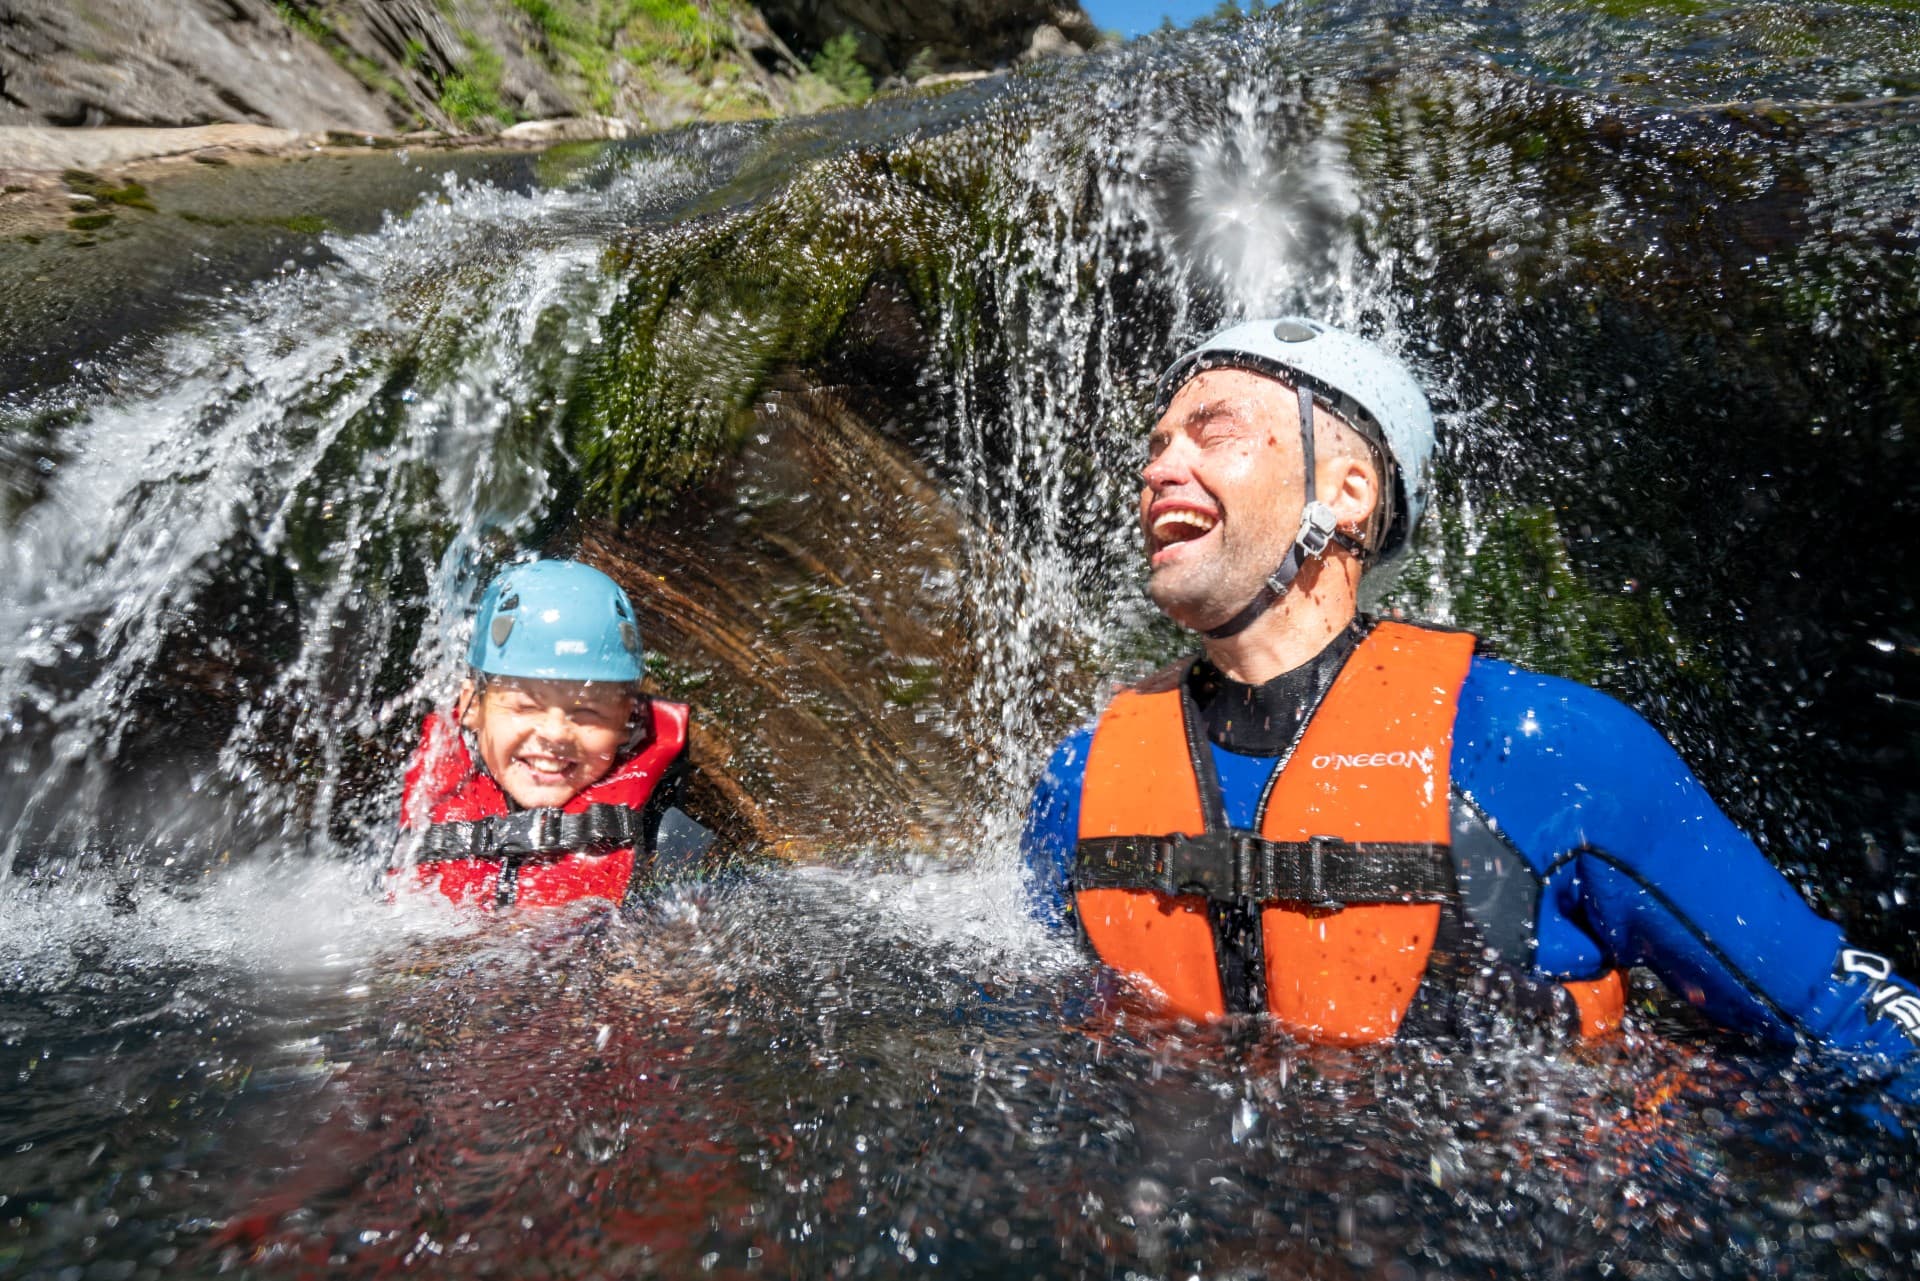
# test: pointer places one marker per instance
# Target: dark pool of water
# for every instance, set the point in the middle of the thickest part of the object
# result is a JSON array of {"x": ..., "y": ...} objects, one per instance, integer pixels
[{"x": 827, "y": 1073}]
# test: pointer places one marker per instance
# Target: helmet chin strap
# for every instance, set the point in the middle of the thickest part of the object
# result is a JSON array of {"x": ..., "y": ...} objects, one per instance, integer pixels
[
  {"x": 640, "y": 726},
  {"x": 1317, "y": 529}
]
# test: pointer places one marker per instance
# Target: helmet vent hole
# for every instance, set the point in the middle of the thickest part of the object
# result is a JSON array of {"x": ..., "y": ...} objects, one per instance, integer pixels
[
  {"x": 620, "y": 607},
  {"x": 1294, "y": 331},
  {"x": 501, "y": 629},
  {"x": 630, "y": 637},
  {"x": 509, "y": 603}
]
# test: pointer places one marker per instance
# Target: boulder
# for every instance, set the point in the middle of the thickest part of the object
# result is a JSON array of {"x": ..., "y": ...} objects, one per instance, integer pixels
[
  {"x": 567, "y": 129},
  {"x": 190, "y": 62},
  {"x": 1048, "y": 41}
]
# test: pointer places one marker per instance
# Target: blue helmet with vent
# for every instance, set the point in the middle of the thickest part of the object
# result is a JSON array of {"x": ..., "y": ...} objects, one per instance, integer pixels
[{"x": 557, "y": 620}]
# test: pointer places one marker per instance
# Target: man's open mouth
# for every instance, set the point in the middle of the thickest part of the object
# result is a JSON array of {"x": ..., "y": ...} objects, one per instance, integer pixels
[{"x": 1175, "y": 525}]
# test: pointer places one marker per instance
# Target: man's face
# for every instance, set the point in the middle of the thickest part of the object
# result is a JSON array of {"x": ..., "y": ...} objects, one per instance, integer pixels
[
  {"x": 1222, "y": 494},
  {"x": 546, "y": 741}
]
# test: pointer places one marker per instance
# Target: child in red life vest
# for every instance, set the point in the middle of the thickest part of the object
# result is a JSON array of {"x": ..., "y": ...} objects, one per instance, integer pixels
[{"x": 555, "y": 778}]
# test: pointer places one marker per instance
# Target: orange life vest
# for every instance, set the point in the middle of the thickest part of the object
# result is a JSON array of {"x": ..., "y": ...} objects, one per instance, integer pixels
[
  {"x": 480, "y": 850},
  {"x": 1349, "y": 902}
]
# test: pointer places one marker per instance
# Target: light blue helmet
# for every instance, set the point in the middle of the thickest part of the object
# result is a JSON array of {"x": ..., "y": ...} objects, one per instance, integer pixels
[
  {"x": 557, "y": 620},
  {"x": 1359, "y": 381}
]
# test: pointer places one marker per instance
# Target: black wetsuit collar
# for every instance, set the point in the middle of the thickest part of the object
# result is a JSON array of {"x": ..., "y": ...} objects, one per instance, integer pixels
[{"x": 1265, "y": 719}]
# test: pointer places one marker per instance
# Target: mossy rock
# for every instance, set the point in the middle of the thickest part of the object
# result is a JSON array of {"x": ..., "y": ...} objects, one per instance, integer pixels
[{"x": 714, "y": 308}]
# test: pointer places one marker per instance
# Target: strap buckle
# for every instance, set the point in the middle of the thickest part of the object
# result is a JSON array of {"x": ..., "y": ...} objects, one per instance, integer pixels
[
  {"x": 1214, "y": 864},
  {"x": 534, "y": 831},
  {"x": 1317, "y": 526},
  {"x": 1315, "y": 891}
]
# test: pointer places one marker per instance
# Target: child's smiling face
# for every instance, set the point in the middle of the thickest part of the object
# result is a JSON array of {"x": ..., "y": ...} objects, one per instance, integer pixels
[{"x": 546, "y": 741}]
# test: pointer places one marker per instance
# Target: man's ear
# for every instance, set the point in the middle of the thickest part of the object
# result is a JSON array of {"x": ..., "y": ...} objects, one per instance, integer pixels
[
  {"x": 1352, "y": 491},
  {"x": 466, "y": 706}
]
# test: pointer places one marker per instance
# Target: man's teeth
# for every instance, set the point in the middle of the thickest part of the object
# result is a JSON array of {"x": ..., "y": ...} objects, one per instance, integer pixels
[{"x": 1176, "y": 523}]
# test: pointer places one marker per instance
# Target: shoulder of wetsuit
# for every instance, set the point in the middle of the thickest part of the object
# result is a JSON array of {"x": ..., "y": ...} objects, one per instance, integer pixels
[
  {"x": 1554, "y": 711},
  {"x": 1528, "y": 748},
  {"x": 1052, "y": 827}
]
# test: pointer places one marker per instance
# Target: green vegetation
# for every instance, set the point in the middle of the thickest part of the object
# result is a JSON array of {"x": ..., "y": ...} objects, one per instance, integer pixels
[
  {"x": 1231, "y": 11},
  {"x": 90, "y": 222},
  {"x": 472, "y": 98},
  {"x": 583, "y": 39},
  {"x": 920, "y": 66},
  {"x": 1511, "y": 580},
  {"x": 663, "y": 60},
  {"x": 837, "y": 63}
]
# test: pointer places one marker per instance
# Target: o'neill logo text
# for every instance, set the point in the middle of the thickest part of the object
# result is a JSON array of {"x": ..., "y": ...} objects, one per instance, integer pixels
[
  {"x": 1886, "y": 999},
  {"x": 1420, "y": 760}
]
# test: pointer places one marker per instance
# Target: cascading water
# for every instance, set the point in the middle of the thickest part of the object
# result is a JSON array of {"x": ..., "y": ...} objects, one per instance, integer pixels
[
  {"x": 238, "y": 561},
  {"x": 312, "y": 440}
]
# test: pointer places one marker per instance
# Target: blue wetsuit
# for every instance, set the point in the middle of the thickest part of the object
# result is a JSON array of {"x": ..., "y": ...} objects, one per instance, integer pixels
[{"x": 1635, "y": 865}]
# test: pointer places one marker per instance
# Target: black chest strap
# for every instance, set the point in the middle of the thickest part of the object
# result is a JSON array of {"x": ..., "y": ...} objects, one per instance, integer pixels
[
  {"x": 536, "y": 833},
  {"x": 1236, "y": 865}
]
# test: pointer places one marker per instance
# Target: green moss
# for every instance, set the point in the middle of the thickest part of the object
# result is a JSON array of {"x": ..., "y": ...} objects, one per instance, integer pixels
[
  {"x": 717, "y": 306},
  {"x": 300, "y": 224},
  {"x": 131, "y": 196},
  {"x": 90, "y": 222},
  {"x": 913, "y": 686},
  {"x": 102, "y": 194}
]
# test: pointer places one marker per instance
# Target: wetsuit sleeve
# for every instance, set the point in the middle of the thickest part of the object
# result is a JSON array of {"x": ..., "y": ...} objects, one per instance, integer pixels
[
  {"x": 1052, "y": 830},
  {"x": 1636, "y": 856}
]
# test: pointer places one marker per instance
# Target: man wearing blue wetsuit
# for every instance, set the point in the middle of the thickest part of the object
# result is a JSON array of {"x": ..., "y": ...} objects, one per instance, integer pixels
[{"x": 1365, "y": 829}]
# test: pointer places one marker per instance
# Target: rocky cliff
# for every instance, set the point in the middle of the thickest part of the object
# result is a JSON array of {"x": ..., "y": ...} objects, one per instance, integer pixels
[
  {"x": 894, "y": 37},
  {"x": 464, "y": 65}
]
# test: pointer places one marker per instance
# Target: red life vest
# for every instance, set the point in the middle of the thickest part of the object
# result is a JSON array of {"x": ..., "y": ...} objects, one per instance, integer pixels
[
  {"x": 1350, "y": 866},
  {"x": 454, "y": 800}
]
